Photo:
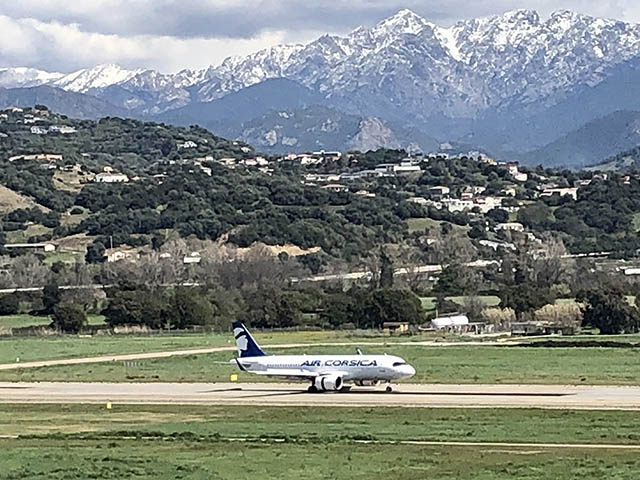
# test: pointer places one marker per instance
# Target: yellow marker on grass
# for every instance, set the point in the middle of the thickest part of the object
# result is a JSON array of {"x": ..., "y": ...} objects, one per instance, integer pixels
[
  {"x": 108, "y": 405},
  {"x": 233, "y": 377}
]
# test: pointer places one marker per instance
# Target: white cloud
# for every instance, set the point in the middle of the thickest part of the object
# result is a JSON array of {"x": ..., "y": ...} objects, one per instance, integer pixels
[
  {"x": 54, "y": 46},
  {"x": 172, "y": 34}
]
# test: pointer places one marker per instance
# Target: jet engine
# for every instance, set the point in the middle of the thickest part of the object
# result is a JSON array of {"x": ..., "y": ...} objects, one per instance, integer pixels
[
  {"x": 328, "y": 382},
  {"x": 366, "y": 383}
]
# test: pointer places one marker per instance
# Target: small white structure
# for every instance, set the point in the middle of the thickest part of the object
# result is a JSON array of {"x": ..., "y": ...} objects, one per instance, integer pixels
[
  {"x": 47, "y": 247},
  {"x": 39, "y": 130},
  {"x": 188, "y": 144},
  {"x": 513, "y": 226},
  {"x": 63, "y": 129},
  {"x": 107, "y": 177},
  {"x": 194, "y": 257},
  {"x": 454, "y": 321},
  {"x": 561, "y": 192}
]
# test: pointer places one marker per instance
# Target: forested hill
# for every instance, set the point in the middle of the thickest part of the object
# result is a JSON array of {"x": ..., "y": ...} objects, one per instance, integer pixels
[
  {"x": 176, "y": 184},
  {"x": 84, "y": 185}
]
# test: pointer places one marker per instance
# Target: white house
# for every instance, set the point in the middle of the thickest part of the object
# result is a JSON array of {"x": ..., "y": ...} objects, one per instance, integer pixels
[
  {"x": 512, "y": 226},
  {"x": 39, "y": 130},
  {"x": 107, "y": 177},
  {"x": 569, "y": 192},
  {"x": 188, "y": 144}
]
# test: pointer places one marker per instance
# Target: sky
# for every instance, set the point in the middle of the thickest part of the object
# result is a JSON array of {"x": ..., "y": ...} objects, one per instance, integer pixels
[{"x": 169, "y": 35}]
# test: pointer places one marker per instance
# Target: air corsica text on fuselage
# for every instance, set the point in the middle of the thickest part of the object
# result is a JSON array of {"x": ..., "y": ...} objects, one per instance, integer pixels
[{"x": 339, "y": 363}]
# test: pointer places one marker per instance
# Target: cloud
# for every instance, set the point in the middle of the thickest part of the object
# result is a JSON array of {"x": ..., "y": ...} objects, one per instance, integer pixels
[
  {"x": 172, "y": 34},
  {"x": 60, "y": 47}
]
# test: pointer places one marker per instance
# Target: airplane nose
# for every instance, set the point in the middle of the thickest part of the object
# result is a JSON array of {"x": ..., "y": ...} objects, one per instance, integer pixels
[{"x": 409, "y": 371}]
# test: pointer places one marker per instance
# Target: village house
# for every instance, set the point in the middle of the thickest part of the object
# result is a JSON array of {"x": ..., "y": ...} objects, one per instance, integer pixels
[
  {"x": 39, "y": 130},
  {"x": 47, "y": 247},
  {"x": 336, "y": 187},
  {"x": 561, "y": 192},
  {"x": 111, "y": 177},
  {"x": 63, "y": 129},
  {"x": 439, "y": 191},
  {"x": 49, "y": 157},
  {"x": 188, "y": 144},
  {"x": 511, "y": 226},
  {"x": 457, "y": 205}
]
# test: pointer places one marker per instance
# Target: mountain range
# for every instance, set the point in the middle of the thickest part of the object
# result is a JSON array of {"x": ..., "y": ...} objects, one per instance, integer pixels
[{"x": 515, "y": 85}]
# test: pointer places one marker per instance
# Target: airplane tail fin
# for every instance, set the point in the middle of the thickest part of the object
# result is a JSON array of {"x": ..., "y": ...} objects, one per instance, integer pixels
[{"x": 247, "y": 346}]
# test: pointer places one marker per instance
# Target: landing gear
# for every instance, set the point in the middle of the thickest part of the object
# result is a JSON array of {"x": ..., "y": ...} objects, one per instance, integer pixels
[
  {"x": 388, "y": 389},
  {"x": 312, "y": 389}
]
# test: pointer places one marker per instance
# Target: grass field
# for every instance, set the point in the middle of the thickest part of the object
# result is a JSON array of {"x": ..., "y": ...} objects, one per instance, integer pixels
[
  {"x": 20, "y": 321},
  {"x": 463, "y": 364},
  {"x": 57, "y": 347},
  {"x": 166, "y": 442}
]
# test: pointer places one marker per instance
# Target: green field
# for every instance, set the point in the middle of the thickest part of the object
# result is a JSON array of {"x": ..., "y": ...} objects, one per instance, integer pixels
[
  {"x": 453, "y": 364},
  {"x": 25, "y": 320},
  {"x": 70, "y": 346},
  {"x": 166, "y": 442}
]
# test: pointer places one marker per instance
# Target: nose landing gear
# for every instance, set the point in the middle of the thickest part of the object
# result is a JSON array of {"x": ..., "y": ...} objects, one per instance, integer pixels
[{"x": 388, "y": 389}]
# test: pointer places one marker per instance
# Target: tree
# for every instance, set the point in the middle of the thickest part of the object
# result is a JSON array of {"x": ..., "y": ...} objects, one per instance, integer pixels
[
  {"x": 498, "y": 215},
  {"x": 137, "y": 307},
  {"x": 68, "y": 317},
  {"x": 95, "y": 253},
  {"x": 390, "y": 305},
  {"x": 50, "y": 298},
  {"x": 609, "y": 312},
  {"x": 386, "y": 270},
  {"x": 189, "y": 308},
  {"x": 525, "y": 298},
  {"x": 9, "y": 304}
]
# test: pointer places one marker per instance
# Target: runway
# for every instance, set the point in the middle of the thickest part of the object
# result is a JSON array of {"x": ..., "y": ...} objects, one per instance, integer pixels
[{"x": 276, "y": 394}]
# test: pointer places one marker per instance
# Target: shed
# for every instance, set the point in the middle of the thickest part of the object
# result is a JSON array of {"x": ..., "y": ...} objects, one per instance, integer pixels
[
  {"x": 455, "y": 321},
  {"x": 397, "y": 327}
]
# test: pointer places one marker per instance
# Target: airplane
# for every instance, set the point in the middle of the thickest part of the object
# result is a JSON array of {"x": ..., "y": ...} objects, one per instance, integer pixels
[{"x": 325, "y": 372}]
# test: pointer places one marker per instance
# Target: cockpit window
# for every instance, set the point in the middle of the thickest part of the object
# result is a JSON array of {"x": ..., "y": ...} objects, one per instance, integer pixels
[{"x": 397, "y": 364}]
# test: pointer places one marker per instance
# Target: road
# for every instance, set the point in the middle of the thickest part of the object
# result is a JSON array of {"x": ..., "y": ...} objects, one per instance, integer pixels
[
  {"x": 199, "y": 351},
  {"x": 405, "y": 395}
]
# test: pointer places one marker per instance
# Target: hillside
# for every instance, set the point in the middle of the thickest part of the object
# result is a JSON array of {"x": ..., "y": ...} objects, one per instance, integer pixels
[
  {"x": 589, "y": 144},
  {"x": 73, "y": 104}
]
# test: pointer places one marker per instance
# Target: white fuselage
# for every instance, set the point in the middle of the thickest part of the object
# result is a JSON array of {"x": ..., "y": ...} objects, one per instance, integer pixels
[{"x": 349, "y": 367}]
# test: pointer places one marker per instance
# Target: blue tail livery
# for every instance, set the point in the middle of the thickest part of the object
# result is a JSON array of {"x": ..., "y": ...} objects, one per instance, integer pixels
[{"x": 247, "y": 346}]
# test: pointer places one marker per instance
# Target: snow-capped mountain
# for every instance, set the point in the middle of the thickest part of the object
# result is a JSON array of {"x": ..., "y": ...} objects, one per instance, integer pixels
[
  {"x": 490, "y": 81},
  {"x": 26, "y": 77}
]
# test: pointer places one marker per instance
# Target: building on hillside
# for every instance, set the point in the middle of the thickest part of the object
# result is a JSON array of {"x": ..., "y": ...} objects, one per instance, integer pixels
[
  {"x": 188, "y": 144},
  {"x": 117, "y": 255},
  {"x": 418, "y": 200},
  {"x": 439, "y": 191},
  {"x": 39, "y": 130},
  {"x": 15, "y": 109},
  {"x": 192, "y": 258},
  {"x": 488, "y": 203},
  {"x": 365, "y": 193},
  {"x": 63, "y": 129},
  {"x": 336, "y": 187},
  {"x": 497, "y": 245},
  {"x": 108, "y": 177},
  {"x": 457, "y": 205},
  {"x": 511, "y": 226},
  {"x": 561, "y": 192},
  {"x": 49, "y": 157},
  {"x": 47, "y": 247}
]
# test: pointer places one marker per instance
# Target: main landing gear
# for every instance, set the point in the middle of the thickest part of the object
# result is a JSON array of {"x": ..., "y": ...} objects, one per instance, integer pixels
[
  {"x": 312, "y": 389},
  {"x": 388, "y": 389}
]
